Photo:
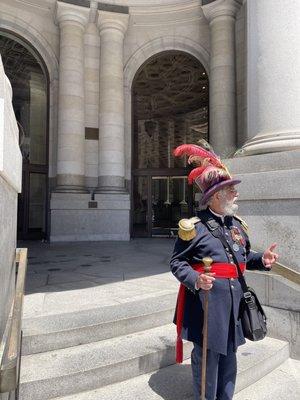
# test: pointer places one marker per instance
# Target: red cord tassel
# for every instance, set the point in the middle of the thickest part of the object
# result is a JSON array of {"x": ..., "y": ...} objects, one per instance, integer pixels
[
  {"x": 179, "y": 350},
  {"x": 179, "y": 323}
]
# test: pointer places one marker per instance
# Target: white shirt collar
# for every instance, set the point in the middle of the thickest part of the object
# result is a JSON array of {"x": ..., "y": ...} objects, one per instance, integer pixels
[{"x": 217, "y": 215}]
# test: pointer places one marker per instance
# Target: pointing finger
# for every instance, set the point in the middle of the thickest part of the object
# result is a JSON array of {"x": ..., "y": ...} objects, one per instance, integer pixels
[{"x": 272, "y": 247}]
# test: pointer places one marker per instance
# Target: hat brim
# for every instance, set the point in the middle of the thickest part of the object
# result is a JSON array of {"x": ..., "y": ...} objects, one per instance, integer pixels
[{"x": 218, "y": 186}]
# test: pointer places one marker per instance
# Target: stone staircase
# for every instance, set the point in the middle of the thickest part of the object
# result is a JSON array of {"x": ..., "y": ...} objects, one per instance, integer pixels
[{"x": 127, "y": 351}]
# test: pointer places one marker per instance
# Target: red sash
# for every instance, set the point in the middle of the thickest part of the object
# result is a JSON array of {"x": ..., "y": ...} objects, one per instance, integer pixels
[{"x": 223, "y": 271}]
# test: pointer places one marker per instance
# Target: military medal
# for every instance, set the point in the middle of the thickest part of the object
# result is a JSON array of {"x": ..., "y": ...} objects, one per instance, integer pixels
[
  {"x": 235, "y": 247},
  {"x": 237, "y": 238}
]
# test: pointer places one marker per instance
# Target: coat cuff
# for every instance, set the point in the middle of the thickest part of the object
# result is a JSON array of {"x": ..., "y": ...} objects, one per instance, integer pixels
[{"x": 191, "y": 280}]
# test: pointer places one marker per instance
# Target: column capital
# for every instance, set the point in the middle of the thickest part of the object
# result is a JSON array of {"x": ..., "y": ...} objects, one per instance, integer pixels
[
  {"x": 112, "y": 20},
  {"x": 66, "y": 12},
  {"x": 221, "y": 8}
]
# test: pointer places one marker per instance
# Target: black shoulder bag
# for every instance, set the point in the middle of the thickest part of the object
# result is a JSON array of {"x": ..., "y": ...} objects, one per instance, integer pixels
[{"x": 252, "y": 316}]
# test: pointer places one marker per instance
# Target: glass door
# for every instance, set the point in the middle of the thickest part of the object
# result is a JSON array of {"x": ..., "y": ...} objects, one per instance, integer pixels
[
  {"x": 159, "y": 202},
  {"x": 140, "y": 206},
  {"x": 171, "y": 201}
]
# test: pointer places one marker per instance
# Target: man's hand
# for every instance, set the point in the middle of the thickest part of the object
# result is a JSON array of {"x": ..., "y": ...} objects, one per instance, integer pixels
[
  {"x": 205, "y": 281},
  {"x": 269, "y": 257}
]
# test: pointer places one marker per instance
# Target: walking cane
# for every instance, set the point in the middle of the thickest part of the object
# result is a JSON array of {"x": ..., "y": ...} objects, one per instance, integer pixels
[{"x": 207, "y": 261}]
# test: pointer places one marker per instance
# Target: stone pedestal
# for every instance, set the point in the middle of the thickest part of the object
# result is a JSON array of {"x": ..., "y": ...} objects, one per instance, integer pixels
[
  {"x": 112, "y": 27},
  {"x": 74, "y": 217},
  {"x": 222, "y": 79},
  {"x": 273, "y": 65},
  {"x": 71, "y": 124},
  {"x": 113, "y": 216}
]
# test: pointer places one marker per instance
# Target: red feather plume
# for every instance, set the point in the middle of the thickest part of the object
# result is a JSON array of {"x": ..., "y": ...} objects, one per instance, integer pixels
[
  {"x": 195, "y": 173},
  {"x": 193, "y": 149}
]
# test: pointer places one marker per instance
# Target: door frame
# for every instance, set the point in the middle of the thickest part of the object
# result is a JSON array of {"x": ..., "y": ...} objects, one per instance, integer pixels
[
  {"x": 150, "y": 173},
  {"x": 23, "y": 212},
  {"x": 28, "y": 168}
]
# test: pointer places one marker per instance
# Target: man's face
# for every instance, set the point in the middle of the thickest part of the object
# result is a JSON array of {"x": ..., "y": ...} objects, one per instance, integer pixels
[{"x": 228, "y": 197}]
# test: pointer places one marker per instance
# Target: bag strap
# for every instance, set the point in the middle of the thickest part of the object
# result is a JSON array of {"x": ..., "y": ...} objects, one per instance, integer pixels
[{"x": 215, "y": 230}]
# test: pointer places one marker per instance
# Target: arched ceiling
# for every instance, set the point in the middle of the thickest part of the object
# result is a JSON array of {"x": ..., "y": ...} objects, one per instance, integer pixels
[
  {"x": 130, "y": 3},
  {"x": 18, "y": 62},
  {"x": 171, "y": 83}
]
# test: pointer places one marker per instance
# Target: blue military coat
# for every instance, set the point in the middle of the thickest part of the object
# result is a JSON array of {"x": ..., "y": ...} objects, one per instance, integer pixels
[{"x": 225, "y": 295}]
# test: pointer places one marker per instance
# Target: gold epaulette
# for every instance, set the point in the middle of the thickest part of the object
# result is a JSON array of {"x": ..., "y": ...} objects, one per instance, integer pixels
[
  {"x": 243, "y": 223},
  {"x": 187, "y": 229}
]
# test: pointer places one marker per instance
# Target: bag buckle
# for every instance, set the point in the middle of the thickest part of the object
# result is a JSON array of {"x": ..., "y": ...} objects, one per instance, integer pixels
[{"x": 248, "y": 297}]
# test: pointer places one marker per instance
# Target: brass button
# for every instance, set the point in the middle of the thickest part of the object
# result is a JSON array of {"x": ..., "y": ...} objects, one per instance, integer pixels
[
  {"x": 232, "y": 286},
  {"x": 231, "y": 262}
]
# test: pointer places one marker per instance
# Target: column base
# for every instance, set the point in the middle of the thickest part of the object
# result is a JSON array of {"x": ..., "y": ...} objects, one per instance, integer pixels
[
  {"x": 111, "y": 189},
  {"x": 68, "y": 183},
  {"x": 70, "y": 189},
  {"x": 270, "y": 143},
  {"x": 111, "y": 184}
]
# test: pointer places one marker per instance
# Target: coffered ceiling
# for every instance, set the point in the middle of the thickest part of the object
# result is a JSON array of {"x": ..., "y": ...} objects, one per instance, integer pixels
[{"x": 170, "y": 84}]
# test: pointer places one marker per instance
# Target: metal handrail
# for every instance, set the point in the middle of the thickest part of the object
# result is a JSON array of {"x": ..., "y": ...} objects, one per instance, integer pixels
[
  {"x": 286, "y": 272},
  {"x": 11, "y": 343}
]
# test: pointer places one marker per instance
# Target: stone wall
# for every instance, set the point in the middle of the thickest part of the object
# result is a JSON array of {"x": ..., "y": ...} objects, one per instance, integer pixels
[
  {"x": 280, "y": 298},
  {"x": 10, "y": 185},
  {"x": 159, "y": 27},
  {"x": 269, "y": 201}
]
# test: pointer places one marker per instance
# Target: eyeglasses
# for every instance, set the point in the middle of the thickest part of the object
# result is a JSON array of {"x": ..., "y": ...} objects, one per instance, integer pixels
[{"x": 231, "y": 190}]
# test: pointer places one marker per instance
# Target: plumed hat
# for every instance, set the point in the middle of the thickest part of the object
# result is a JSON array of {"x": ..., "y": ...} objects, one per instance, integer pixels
[{"x": 210, "y": 174}]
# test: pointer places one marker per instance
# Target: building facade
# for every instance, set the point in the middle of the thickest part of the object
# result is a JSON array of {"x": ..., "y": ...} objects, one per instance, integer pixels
[{"x": 104, "y": 90}]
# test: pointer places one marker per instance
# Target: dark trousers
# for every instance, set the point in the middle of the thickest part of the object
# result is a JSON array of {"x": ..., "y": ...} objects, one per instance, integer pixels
[{"x": 221, "y": 373}]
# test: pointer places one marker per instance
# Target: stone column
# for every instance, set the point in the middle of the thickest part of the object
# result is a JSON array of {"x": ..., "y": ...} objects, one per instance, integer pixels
[
  {"x": 71, "y": 125},
  {"x": 92, "y": 60},
  {"x": 273, "y": 65},
  {"x": 222, "y": 79},
  {"x": 112, "y": 28}
]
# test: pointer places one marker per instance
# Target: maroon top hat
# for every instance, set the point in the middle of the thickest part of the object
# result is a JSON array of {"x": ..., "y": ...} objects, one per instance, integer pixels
[
  {"x": 213, "y": 179},
  {"x": 210, "y": 175}
]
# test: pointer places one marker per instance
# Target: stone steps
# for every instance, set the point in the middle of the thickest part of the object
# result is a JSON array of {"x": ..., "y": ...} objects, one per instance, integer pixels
[
  {"x": 281, "y": 384},
  {"x": 125, "y": 349},
  {"x": 169, "y": 383},
  {"x": 89, "y": 366},
  {"x": 175, "y": 382},
  {"x": 59, "y": 331}
]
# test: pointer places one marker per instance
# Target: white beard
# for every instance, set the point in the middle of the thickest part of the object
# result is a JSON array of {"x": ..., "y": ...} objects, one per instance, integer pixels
[{"x": 230, "y": 208}]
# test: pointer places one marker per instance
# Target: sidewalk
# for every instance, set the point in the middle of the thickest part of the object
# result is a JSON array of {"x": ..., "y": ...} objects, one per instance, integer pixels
[{"x": 68, "y": 277}]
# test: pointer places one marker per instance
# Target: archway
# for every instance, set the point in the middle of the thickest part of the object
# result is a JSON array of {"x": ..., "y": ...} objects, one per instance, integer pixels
[
  {"x": 170, "y": 107},
  {"x": 30, "y": 84}
]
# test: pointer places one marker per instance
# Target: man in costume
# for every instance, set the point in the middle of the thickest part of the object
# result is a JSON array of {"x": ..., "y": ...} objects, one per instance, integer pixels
[{"x": 195, "y": 242}]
